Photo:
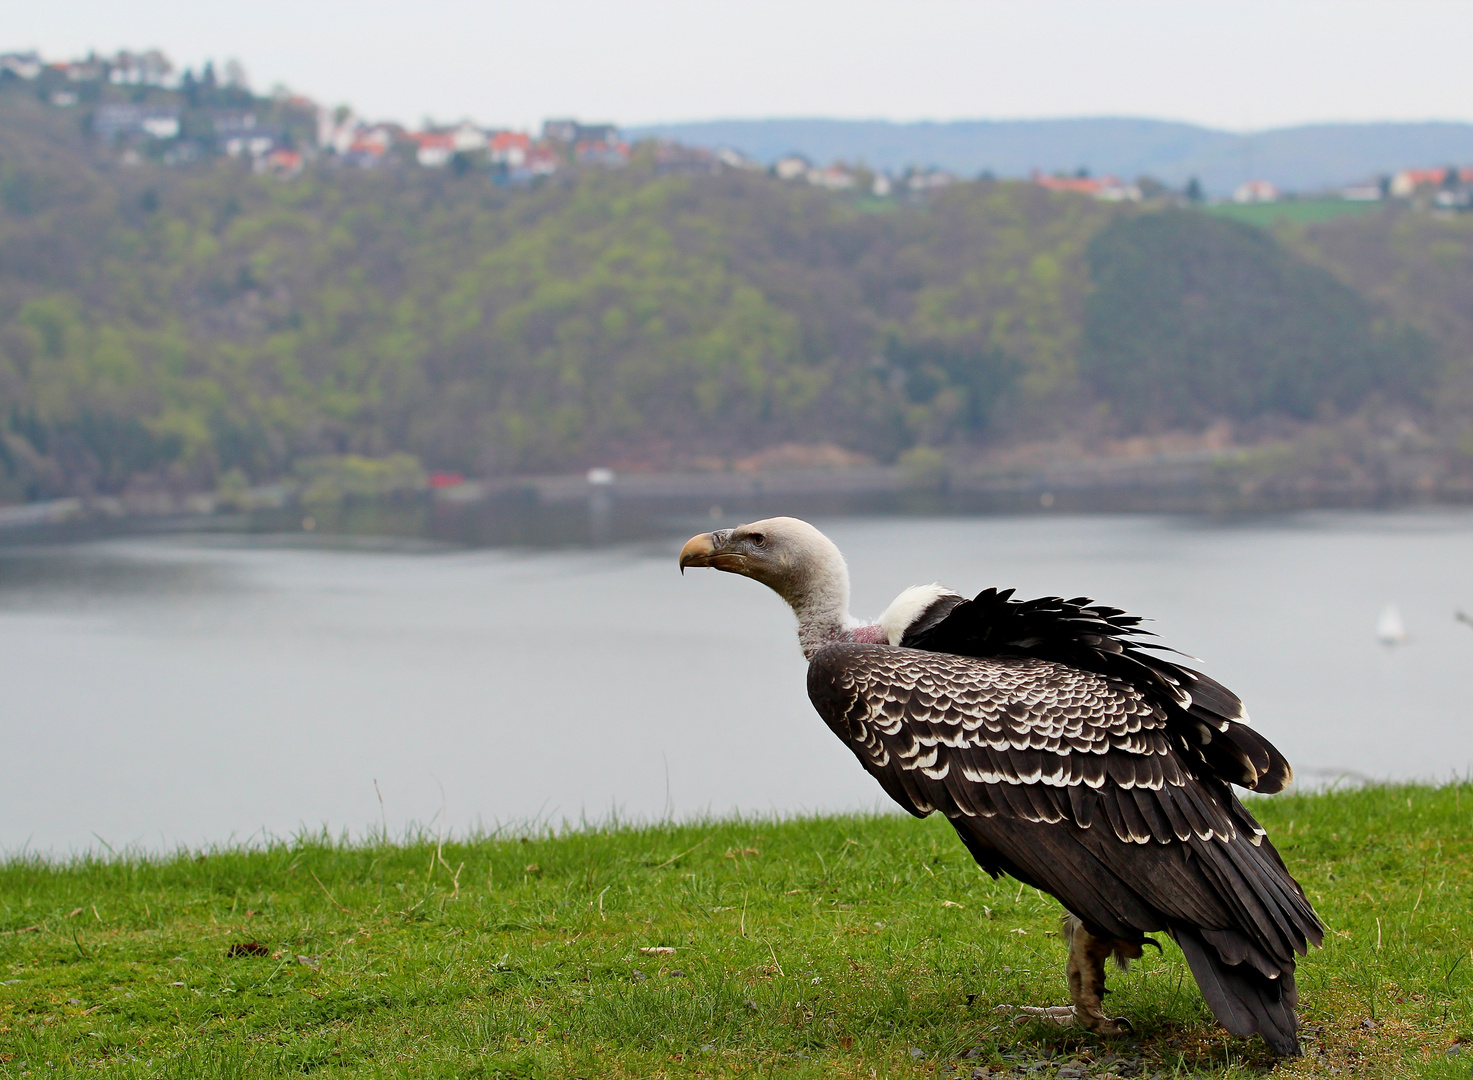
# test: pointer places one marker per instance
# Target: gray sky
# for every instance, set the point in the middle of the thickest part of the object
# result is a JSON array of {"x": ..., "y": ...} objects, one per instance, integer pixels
[{"x": 1244, "y": 65}]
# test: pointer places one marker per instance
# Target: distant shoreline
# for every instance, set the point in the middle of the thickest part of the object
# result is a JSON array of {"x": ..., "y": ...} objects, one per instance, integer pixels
[{"x": 627, "y": 505}]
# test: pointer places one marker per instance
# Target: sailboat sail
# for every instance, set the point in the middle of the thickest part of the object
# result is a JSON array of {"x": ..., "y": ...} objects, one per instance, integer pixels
[{"x": 1390, "y": 629}]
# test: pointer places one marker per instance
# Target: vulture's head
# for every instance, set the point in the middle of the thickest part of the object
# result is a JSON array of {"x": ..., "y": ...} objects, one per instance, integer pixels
[{"x": 789, "y": 556}]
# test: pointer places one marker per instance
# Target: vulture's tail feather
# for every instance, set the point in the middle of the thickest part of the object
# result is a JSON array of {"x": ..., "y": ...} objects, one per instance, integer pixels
[{"x": 1244, "y": 1000}]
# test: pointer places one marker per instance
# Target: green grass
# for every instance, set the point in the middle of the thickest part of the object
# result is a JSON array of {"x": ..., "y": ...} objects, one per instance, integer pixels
[
  {"x": 1291, "y": 212},
  {"x": 836, "y": 946}
]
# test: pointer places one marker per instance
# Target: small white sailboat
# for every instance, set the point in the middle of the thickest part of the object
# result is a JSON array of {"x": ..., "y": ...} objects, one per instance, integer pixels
[{"x": 1390, "y": 630}]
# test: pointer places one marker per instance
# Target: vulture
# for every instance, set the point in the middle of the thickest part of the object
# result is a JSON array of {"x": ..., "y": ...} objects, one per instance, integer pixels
[{"x": 1067, "y": 752}]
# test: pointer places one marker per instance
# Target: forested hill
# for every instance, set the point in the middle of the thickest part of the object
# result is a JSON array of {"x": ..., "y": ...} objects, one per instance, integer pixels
[{"x": 173, "y": 324}]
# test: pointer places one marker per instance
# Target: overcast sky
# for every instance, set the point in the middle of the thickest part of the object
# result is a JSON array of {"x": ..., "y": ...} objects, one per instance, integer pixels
[{"x": 1244, "y": 65}]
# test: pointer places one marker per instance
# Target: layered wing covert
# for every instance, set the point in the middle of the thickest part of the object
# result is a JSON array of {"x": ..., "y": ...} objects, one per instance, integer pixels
[
  {"x": 1071, "y": 780},
  {"x": 1208, "y": 717}
]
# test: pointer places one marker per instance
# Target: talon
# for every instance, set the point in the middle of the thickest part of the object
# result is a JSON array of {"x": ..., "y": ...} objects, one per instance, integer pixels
[{"x": 1113, "y": 1026}]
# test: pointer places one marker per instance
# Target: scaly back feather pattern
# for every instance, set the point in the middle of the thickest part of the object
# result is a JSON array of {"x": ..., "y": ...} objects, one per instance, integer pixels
[{"x": 1204, "y": 715}]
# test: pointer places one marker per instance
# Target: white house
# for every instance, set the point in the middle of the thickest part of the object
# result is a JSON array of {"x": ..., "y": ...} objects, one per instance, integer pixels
[
  {"x": 734, "y": 159},
  {"x": 26, "y": 65},
  {"x": 435, "y": 149},
  {"x": 110, "y": 121},
  {"x": 1256, "y": 191},
  {"x": 510, "y": 148},
  {"x": 467, "y": 138},
  {"x": 161, "y": 126},
  {"x": 835, "y": 178},
  {"x": 791, "y": 167}
]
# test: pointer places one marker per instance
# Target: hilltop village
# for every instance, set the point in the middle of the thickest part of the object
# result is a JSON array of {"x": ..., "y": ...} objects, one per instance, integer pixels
[{"x": 138, "y": 105}]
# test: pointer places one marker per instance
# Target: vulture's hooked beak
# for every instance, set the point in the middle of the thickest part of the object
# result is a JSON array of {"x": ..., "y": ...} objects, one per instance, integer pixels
[{"x": 709, "y": 549}]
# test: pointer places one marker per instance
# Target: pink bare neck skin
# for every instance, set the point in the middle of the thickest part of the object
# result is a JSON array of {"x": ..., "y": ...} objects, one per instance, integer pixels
[{"x": 815, "y": 634}]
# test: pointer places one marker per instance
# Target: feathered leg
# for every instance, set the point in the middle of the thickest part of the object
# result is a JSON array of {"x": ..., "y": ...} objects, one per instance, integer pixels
[{"x": 1086, "y": 971}]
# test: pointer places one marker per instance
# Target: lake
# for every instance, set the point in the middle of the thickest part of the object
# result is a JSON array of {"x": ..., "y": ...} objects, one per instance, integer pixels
[{"x": 191, "y": 690}]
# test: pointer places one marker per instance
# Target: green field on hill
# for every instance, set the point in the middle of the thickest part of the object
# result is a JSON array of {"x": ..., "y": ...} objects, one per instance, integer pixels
[
  {"x": 851, "y": 946},
  {"x": 1292, "y": 211}
]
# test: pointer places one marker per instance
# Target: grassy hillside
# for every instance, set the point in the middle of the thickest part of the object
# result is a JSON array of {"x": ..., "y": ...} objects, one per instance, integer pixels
[
  {"x": 1293, "y": 211},
  {"x": 193, "y": 324},
  {"x": 840, "y": 947}
]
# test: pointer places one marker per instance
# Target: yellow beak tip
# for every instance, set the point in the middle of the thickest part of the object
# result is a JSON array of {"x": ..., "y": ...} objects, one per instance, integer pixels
[{"x": 697, "y": 551}]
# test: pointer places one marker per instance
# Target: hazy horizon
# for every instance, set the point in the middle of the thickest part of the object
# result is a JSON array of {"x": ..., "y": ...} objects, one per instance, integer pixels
[
  {"x": 1074, "y": 118},
  {"x": 1242, "y": 67}
]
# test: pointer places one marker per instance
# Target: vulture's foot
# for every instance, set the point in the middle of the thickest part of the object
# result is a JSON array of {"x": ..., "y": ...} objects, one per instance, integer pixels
[
  {"x": 1086, "y": 970},
  {"x": 1087, "y": 956},
  {"x": 1068, "y": 1016},
  {"x": 1059, "y": 1014}
]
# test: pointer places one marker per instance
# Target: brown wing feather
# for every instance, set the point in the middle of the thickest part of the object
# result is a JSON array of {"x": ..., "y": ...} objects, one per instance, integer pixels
[{"x": 1070, "y": 780}]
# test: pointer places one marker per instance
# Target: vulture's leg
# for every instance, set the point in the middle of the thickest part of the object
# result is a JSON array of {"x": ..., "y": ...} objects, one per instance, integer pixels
[{"x": 1086, "y": 970}]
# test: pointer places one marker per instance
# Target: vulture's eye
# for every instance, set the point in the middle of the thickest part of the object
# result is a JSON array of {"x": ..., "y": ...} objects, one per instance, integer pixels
[{"x": 758, "y": 538}]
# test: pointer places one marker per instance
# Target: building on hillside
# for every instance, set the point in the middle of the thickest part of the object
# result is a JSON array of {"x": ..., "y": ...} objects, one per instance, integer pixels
[
  {"x": 238, "y": 135},
  {"x": 928, "y": 179},
  {"x": 336, "y": 129},
  {"x": 835, "y": 178},
  {"x": 542, "y": 160},
  {"x": 20, "y": 65},
  {"x": 250, "y": 144},
  {"x": 231, "y": 123},
  {"x": 571, "y": 132},
  {"x": 1409, "y": 182},
  {"x": 791, "y": 167},
  {"x": 1458, "y": 198},
  {"x": 1114, "y": 190},
  {"x": 1105, "y": 188},
  {"x": 1405, "y": 183},
  {"x": 1256, "y": 191},
  {"x": 509, "y": 148},
  {"x": 369, "y": 145},
  {"x": 282, "y": 163},
  {"x": 608, "y": 134},
  {"x": 521, "y": 160},
  {"x": 595, "y": 152},
  {"x": 89, "y": 70},
  {"x": 140, "y": 69},
  {"x": 468, "y": 139},
  {"x": 434, "y": 149},
  {"x": 735, "y": 159},
  {"x": 116, "y": 121},
  {"x": 882, "y": 185},
  {"x": 1080, "y": 185}
]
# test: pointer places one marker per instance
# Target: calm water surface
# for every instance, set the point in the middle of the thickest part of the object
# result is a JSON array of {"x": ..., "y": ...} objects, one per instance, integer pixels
[{"x": 163, "y": 691}]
